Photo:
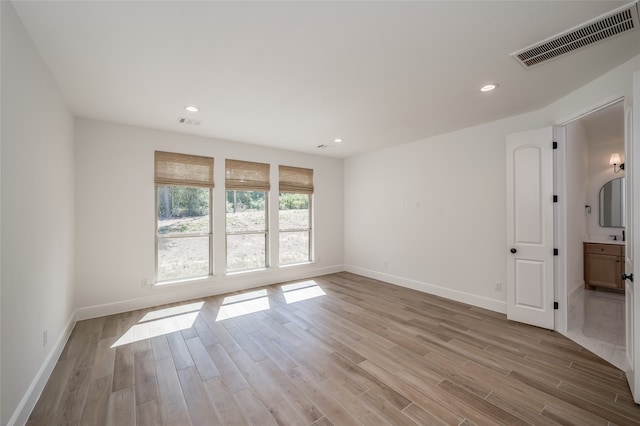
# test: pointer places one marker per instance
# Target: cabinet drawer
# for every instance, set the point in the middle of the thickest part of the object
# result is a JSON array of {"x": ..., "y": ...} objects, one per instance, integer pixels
[{"x": 609, "y": 249}]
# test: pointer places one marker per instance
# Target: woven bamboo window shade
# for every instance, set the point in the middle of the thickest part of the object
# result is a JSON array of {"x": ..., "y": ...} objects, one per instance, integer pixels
[
  {"x": 246, "y": 176},
  {"x": 296, "y": 179},
  {"x": 182, "y": 169}
]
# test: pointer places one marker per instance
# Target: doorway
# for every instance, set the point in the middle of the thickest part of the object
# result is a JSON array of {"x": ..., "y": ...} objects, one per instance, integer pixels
[{"x": 595, "y": 314}]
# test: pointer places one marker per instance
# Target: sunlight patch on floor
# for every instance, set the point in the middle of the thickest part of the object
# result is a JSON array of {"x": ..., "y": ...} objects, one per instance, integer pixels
[
  {"x": 174, "y": 310},
  {"x": 160, "y": 322},
  {"x": 301, "y": 291},
  {"x": 243, "y": 304}
]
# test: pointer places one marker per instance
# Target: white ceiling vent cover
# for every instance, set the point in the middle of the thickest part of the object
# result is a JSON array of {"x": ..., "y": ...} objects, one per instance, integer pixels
[{"x": 616, "y": 22}]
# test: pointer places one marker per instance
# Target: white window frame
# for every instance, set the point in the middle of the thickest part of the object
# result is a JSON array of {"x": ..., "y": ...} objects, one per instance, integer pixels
[
  {"x": 264, "y": 232},
  {"x": 199, "y": 235},
  {"x": 308, "y": 230}
]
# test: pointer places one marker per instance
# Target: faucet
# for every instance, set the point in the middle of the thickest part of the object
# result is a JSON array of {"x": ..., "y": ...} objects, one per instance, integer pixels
[
  {"x": 623, "y": 236},
  {"x": 615, "y": 237}
]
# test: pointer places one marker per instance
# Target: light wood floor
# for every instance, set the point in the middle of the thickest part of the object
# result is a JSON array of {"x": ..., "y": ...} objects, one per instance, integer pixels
[{"x": 364, "y": 352}]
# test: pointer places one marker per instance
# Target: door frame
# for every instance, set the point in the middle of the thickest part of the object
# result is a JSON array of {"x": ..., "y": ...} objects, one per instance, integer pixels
[
  {"x": 561, "y": 291},
  {"x": 633, "y": 365}
]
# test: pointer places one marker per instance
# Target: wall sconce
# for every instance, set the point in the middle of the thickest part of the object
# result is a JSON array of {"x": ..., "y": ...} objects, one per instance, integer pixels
[{"x": 616, "y": 161}]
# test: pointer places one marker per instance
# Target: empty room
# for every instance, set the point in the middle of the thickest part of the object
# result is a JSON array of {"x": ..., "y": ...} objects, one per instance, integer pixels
[{"x": 319, "y": 212}]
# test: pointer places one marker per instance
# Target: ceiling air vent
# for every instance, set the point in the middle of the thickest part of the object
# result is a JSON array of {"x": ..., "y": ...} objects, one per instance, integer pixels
[
  {"x": 616, "y": 22},
  {"x": 189, "y": 121}
]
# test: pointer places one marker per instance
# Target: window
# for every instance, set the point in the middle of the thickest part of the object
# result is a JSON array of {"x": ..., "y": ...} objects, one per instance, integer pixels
[
  {"x": 247, "y": 230},
  {"x": 294, "y": 219},
  {"x": 184, "y": 184}
]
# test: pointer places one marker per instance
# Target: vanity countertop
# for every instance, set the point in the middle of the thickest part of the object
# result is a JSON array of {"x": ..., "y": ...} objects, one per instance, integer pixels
[{"x": 617, "y": 243}]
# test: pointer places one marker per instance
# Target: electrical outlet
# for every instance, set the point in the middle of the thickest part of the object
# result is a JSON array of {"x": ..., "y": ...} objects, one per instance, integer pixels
[
  {"x": 145, "y": 283},
  {"x": 44, "y": 338},
  {"x": 498, "y": 286}
]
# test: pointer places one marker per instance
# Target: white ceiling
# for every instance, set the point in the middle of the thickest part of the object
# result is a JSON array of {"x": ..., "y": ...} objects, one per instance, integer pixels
[{"x": 295, "y": 75}]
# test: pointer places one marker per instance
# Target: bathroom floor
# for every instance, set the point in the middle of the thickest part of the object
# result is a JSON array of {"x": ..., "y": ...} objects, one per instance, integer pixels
[{"x": 596, "y": 322}]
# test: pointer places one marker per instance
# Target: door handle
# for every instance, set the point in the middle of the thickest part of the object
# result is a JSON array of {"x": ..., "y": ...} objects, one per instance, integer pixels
[
  {"x": 513, "y": 250},
  {"x": 627, "y": 277}
]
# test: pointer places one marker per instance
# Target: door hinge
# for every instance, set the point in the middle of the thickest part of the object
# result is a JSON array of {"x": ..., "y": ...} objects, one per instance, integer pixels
[
  {"x": 555, "y": 198},
  {"x": 555, "y": 252},
  {"x": 555, "y": 305},
  {"x": 555, "y": 145}
]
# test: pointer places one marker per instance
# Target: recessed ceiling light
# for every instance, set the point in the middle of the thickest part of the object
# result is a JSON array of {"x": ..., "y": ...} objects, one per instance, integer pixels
[
  {"x": 191, "y": 108},
  {"x": 489, "y": 87},
  {"x": 337, "y": 140}
]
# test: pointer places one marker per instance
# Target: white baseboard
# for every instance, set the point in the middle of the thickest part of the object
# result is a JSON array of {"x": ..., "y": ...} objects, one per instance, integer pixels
[
  {"x": 174, "y": 293},
  {"x": 459, "y": 296},
  {"x": 575, "y": 288},
  {"x": 31, "y": 396}
]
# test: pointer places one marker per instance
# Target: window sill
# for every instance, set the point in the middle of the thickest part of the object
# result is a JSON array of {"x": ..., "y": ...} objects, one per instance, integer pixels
[
  {"x": 210, "y": 279},
  {"x": 182, "y": 282},
  {"x": 245, "y": 272},
  {"x": 289, "y": 265}
]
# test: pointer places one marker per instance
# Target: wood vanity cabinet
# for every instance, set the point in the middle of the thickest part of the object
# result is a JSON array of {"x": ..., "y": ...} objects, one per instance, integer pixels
[{"x": 603, "y": 265}]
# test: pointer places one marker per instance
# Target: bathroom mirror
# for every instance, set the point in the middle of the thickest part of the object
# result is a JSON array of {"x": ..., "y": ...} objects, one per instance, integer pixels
[{"x": 612, "y": 204}]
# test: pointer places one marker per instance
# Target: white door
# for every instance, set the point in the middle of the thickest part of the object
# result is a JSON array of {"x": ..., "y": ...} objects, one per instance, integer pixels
[
  {"x": 530, "y": 227},
  {"x": 632, "y": 257}
]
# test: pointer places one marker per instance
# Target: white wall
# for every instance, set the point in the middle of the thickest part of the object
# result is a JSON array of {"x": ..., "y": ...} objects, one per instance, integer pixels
[
  {"x": 37, "y": 199},
  {"x": 577, "y": 176},
  {"x": 431, "y": 214},
  {"x": 115, "y": 212},
  {"x": 454, "y": 244},
  {"x": 609, "y": 87}
]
